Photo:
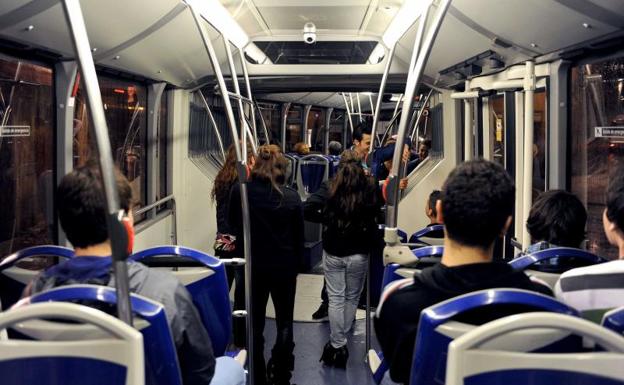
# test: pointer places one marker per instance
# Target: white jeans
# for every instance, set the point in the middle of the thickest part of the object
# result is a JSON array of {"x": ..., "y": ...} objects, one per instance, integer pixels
[{"x": 344, "y": 278}]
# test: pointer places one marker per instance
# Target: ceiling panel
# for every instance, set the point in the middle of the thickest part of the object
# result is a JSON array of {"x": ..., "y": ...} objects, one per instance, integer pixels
[
  {"x": 615, "y": 6},
  {"x": 548, "y": 24},
  {"x": 326, "y": 18}
]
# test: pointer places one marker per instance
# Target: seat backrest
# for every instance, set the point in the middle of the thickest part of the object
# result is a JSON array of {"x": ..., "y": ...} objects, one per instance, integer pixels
[
  {"x": 13, "y": 279},
  {"x": 312, "y": 171},
  {"x": 438, "y": 326},
  {"x": 291, "y": 178},
  {"x": 117, "y": 359},
  {"x": 472, "y": 361},
  {"x": 161, "y": 361},
  {"x": 614, "y": 320},
  {"x": 207, "y": 284},
  {"x": 560, "y": 259},
  {"x": 334, "y": 161},
  {"x": 424, "y": 253},
  {"x": 429, "y": 236}
]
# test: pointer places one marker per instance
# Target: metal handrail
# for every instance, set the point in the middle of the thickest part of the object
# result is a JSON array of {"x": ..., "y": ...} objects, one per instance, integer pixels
[{"x": 173, "y": 213}]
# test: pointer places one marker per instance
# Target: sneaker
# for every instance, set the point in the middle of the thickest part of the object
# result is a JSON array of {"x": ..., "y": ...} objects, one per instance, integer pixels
[{"x": 321, "y": 312}]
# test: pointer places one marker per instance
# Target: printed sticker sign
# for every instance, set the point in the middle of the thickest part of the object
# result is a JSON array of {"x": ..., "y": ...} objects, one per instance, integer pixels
[{"x": 610, "y": 132}]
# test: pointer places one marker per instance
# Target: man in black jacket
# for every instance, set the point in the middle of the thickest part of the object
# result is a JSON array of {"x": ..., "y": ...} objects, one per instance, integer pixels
[{"x": 476, "y": 206}]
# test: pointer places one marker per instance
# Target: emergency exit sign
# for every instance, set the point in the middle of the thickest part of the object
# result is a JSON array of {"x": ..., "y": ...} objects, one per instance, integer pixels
[{"x": 610, "y": 132}]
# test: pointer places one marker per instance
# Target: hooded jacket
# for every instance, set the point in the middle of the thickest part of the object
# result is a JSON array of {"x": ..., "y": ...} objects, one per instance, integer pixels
[
  {"x": 399, "y": 312},
  {"x": 193, "y": 346}
]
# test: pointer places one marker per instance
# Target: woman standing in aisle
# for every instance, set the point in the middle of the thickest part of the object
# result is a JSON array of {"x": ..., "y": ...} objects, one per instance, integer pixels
[
  {"x": 276, "y": 219},
  {"x": 348, "y": 206}
]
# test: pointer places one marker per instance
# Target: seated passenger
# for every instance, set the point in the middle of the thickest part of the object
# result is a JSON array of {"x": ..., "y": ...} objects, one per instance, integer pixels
[
  {"x": 557, "y": 219},
  {"x": 432, "y": 213},
  {"x": 82, "y": 212},
  {"x": 334, "y": 148},
  {"x": 595, "y": 289},
  {"x": 302, "y": 149},
  {"x": 476, "y": 206}
]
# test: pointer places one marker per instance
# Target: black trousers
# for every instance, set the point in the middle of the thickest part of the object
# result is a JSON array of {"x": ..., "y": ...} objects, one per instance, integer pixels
[{"x": 281, "y": 286}]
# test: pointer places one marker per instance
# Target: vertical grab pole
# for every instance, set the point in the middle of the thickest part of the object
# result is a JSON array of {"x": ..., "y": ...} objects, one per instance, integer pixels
[
  {"x": 357, "y": 97},
  {"x": 410, "y": 89},
  {"x": 348, "y": 114},
  {"x": 468, "y": 135},
  {"x": 370, "y": 102},
  {"x": 377, "y": 111},
  {"x": 242, "y": 178},
  {"x": 241, "y": 52},
  {"x": 116, "y": 230},
  {"x": 527, "y": 183},
  {"x": 243, "y": 121}
]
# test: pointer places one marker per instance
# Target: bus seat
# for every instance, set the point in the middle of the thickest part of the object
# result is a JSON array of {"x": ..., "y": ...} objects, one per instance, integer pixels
[
  {"x": 161, "y": 360},
  {"x": 473, "y": 360},
  {"x": 439, "y": 325},
  {"x": 205, "y": 279},
  {"x": 291, "y": 176},
  {"x": 334, "y": 161},
  {"x": 312, "y": 171},
  {"x": 614, "y": 320},
  {"x": 13, "y": 278},
  {"x": 118, "y": 359},
  {"x": 429, "y": 236},
  {"x": 547, "y": 265},
  {"x": 394, "y": 271}
]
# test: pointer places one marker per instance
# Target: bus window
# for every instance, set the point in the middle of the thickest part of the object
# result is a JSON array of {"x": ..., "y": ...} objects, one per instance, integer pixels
[
  {"x": 125, "y": 109},
  {"x": 539, "y": 141},
  {"x": 26, "y": 155},
  {"x": 596, "y": 118}
]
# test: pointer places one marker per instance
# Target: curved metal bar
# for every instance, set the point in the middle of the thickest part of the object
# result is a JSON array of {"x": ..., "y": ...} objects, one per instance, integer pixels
[
  {"x": 410, "y": 89},
  {"x": 264, "y": 127},
  {"x": 348, "y": 112},
  {"x": 214, "y": 123},
  {"x": 248, "y": 89},
  {"x": 382, "y": 88},
  {"x": 242, "y": 177},
  {"x": 36, "y": 251},
  {"x": 116, "y": 230}
]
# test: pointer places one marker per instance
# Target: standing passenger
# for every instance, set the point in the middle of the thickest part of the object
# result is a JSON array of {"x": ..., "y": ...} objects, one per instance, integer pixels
[
  {"x": 225, "y": 242},
  {"x": 347, "y": 206},
  {"x": 276, "y": 219}
]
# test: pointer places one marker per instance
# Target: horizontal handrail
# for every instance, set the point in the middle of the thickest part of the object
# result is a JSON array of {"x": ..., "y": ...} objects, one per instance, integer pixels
[{"x": 159, "y": 202}]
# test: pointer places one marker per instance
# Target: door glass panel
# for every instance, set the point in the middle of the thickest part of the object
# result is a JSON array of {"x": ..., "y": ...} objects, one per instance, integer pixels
[
  {"x": 596, "y": 100},
  {"x": 26, "y": 155},
  {"x": 539, "y": 142}
]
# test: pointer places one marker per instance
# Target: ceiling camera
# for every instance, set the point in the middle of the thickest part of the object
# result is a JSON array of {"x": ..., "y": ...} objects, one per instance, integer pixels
[{"x": 309, "y": 33}]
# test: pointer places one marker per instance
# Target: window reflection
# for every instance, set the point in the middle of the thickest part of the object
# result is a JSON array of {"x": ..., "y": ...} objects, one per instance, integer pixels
[
  {"x": 26, "y": 155},
  {"x": 596, "y": 101}
]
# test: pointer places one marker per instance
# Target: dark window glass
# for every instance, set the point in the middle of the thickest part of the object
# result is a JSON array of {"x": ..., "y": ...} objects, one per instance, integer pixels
[
  {"x": 271, "y": 113},
  {"x": 596, "y": 100},
  {"x": 321, "y": 52},
  {"x": 497, "y": 128},
  {"x": 337, "y": 127},
  {"x": 27, "y": 144},
  {"x": 124, "y": 107},
  {"x": 294, "y": 129},
  {"x": 316, "y": 129},
  {"x": 540, "y": 125}
]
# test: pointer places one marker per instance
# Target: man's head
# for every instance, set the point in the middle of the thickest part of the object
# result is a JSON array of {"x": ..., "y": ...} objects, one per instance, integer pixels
[
  {"x": 477, "y": 203},
  {"x": 423, "y": 150},
  {"x": 334, "y": 148},
  {"x": 82, "y": 205},
  {"x": 362, "y": 139},
  {"x": 430, "y": 209},
  {"x": 557, "y": 217},
  {"x": 613, "y": 216}
]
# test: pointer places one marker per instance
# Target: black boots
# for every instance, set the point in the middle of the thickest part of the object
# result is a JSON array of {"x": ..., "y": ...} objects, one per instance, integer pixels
[
  {"x": 336, "y": 357},
  {"x": 321, "y": 312}
]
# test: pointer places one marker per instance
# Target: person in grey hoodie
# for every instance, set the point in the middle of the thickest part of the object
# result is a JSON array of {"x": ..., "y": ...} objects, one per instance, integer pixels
[
  {"x": 476, "y": 206},
  {"x": 82, "y": 213}
]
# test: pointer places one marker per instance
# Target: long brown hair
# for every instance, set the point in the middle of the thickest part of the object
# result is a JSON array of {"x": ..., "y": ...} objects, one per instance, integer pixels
[
  {"x": 350, "y": 190},
  {"x": 227, "y": 175},
  {"x": 270, "y": 166}
]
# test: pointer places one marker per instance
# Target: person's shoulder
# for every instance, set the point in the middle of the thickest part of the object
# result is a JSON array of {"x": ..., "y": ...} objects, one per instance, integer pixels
[
  {"x": 401, "y": 297},
  {"x": 291, "y": 195}
]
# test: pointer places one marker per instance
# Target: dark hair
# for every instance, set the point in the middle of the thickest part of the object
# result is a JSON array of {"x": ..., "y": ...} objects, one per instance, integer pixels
[
  {"x": 615, "y": 198},
  {"x": 349, "y": 191},
  {"x": 433, "y": 198},
  {"x": 335, "y": 148},
  {"x": 557, "y": 217},
  {"x": 477, "y": 198},
  {"x": 228, "y": 174},
  {"x": 361, "y": 129},
  {"x": 270, "y": 166},
  {"x": 82, "y": 205}
]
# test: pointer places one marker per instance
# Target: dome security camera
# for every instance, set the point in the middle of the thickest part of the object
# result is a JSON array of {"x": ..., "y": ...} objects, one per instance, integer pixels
[{"x": 309, "y": 33}]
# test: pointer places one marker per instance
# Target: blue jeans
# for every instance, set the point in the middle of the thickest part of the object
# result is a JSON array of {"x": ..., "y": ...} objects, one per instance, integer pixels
[
  {"x": 344, "y": 277},
  {"x": 228, "y": 372}
]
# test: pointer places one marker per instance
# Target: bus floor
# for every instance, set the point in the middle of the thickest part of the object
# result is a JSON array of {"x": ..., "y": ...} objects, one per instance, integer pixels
[{"x": 310, "y": 337}]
